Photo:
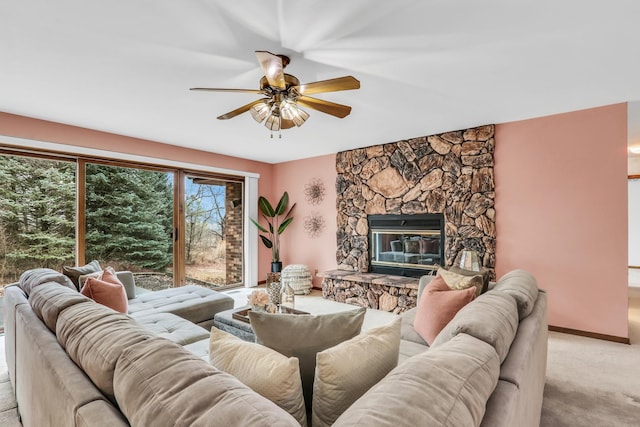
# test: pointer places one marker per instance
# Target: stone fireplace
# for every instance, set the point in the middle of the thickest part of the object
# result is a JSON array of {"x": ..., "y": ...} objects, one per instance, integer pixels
[{"x": 449, "y": 174}]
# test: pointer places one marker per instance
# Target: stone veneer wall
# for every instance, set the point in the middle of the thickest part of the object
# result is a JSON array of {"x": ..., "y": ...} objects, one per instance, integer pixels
[
  {"x": 233, "y": 232},
  {"x": 450, "y": 173}
]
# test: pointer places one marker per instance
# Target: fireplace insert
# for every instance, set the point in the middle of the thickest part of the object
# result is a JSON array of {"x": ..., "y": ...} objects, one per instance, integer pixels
[{"x": 406, "y": 245}]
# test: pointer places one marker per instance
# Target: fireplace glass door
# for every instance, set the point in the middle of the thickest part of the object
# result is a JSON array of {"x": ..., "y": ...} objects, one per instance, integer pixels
[{"x": 406, "y": 248}]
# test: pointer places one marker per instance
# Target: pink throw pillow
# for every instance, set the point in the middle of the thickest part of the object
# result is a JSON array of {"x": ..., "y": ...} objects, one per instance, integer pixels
[
  {"x": 107, "y": 290},
  {"x": 109, "y": 275},
  {"x": 437, "y": 306}
]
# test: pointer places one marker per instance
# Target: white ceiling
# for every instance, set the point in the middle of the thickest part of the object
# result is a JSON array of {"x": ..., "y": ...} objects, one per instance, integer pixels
[{"x": 425, "y": 67}]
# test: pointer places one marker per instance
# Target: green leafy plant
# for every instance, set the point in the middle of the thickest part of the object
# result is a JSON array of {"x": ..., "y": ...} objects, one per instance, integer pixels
[{"x": 277, "y": 222}]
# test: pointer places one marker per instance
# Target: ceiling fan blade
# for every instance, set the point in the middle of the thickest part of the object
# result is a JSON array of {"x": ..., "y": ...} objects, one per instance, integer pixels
[
  {"x": 238, "y": 111},
  {"x": 215, "y": 89},
  {"x": 272, "y": 68},
  {"x": 331, "y": 85},
  {"x": 327, "y": 107}
]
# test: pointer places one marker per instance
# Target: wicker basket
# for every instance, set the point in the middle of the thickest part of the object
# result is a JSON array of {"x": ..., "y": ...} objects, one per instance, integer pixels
[{"x": 298, "y": 277}]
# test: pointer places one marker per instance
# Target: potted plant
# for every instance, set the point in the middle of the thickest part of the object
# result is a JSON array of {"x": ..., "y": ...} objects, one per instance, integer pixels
[{"x": 277, "y": 222}]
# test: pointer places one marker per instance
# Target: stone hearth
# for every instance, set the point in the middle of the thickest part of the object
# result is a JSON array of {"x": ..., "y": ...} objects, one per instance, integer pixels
[{"x": 370, "y": 290}]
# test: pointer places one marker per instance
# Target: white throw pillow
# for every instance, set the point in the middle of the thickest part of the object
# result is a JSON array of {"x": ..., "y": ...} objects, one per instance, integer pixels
[
  {"x": 265, "y": 371},
  {"x": 345, "y": 372}
]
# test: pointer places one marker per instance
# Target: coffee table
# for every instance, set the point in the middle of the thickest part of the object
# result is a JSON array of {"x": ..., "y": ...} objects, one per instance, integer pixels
[{"x": 236, "y": 321}]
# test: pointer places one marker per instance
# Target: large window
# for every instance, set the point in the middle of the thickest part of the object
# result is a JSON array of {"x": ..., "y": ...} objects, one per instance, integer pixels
[{"x": 168, "y": 226}]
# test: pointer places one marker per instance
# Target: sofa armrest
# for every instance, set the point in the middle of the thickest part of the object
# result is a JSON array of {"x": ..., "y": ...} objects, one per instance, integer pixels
[
  {"x": 99, "y": 413},
  {"x": 126, "y": 277}
]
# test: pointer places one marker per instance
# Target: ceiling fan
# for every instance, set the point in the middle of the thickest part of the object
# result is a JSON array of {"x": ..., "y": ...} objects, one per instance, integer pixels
[{"x": 284, "y": 95}]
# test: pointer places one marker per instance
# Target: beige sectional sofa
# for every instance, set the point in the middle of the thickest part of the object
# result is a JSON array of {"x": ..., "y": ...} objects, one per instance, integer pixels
[
  {"x": 502, "y": 335},
  {"x": 74, "y": 362}
]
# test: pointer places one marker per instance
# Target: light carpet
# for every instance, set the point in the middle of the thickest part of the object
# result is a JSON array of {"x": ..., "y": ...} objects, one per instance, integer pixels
[{"x": 593, "y": 382}]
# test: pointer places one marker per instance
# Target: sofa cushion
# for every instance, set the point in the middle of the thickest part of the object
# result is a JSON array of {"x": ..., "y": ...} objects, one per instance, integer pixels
[
  {"x": 521, "y": 285},
  {"x": 437, "y": 306},
  {"x": 461, "y": 281},
  {"x": 303, "y": 336},
  {"x": 445, "y": 386},
  {"x": 345, "y": 372},
  {"x": 74, "y": 273},
  {"x": 157, "y": 383},
  {"x": 49, "y": 299},
  {"x": 492, "y": 318},
  {"x": 194, "y": 303},
  {"x": 37, "y": 276},
  {"x": 107, "y": 290},
  {"x": 94, "y": 336},
  {"x": 199, "y": 349},
  {"x": 262, "y": 369},
  {"x": 173, "y": 328}
]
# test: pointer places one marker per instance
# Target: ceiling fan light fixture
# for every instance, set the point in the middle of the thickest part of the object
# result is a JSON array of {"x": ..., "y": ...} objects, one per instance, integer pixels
[
  {"x": 290, "y": 111},
  {"x": 273, "y": 121},
  {"x": 300, "y": 117},
  {"x": 260, "y": 111}
]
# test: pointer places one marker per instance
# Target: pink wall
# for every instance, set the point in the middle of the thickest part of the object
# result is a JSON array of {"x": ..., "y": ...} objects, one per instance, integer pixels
[
  {"x": 561, "y": 213},
  {"x": 297, "y": 247}
]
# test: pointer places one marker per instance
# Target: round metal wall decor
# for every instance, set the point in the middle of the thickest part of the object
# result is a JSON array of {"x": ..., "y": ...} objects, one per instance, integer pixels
[
  {"x": 313, "y": 224},
  {"x": 314, "y": 191}
]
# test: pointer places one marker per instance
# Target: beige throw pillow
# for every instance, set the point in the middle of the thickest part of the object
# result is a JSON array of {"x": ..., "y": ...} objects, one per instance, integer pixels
[
  {"x": 83, "y": 278},
  {"x": 265, "y": 371},
  {"x": 303, "y": 336},
  {"x": 345, "y": 372},
  {"x": 460, "y": 281}
]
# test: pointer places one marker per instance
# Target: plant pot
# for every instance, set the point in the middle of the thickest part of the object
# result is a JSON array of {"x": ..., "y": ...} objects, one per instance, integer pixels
[{"x": 276, "y": 267}]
